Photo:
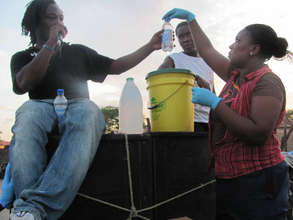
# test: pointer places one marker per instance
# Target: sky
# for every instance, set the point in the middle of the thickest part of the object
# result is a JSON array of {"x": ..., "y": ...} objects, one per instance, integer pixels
[{"x": 115, "y": 28}]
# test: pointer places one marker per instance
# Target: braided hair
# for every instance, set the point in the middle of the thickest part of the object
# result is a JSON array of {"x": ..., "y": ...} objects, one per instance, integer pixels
[{"x": 35, "y": 9}]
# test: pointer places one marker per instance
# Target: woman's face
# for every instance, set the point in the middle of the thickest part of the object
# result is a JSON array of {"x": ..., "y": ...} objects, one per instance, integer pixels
[{"x": 240, "y": 49}]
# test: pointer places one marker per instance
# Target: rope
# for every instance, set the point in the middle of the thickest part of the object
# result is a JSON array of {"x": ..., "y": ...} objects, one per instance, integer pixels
[
  {"x": 176, "y": 197},
  {"x": 103, "y": 202},
  {"x": 133, "y": 211},
  {"x": 110, "y": 204},
  {"x": 151, "y": 207},
  {"x": 164, "y": 100}
]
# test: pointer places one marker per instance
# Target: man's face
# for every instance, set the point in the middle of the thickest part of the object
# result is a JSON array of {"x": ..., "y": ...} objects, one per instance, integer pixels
[
  {"x": 185, "y": 39},
  {"x": 53, "y": 16}
]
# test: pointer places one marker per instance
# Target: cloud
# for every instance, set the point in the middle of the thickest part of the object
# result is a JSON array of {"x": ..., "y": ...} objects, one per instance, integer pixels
[{"x": 289, "y": 100}]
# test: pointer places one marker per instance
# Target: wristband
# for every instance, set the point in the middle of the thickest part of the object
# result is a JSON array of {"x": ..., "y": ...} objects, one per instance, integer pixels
[{"x": 48, "y": 47}]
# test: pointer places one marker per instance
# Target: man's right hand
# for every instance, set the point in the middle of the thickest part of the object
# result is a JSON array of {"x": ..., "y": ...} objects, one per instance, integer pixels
[
  {"x": 54, "y": 31},
  {"x": 156, "y": 40}
]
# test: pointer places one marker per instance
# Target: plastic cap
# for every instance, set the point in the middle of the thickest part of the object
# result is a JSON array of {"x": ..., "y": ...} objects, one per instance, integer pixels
[
  {"x": 167, "y": 19},
  {"x": 60, "y": 91},
  {"x": 129, "y": 79}
]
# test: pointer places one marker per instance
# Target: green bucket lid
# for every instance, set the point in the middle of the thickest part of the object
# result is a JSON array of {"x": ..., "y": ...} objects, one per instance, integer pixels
[{"x": 169, "y": 70}]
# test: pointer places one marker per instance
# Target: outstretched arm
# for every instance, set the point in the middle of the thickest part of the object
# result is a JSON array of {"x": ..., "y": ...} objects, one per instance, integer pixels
[
  {"x": 125, "y": 63},
  {"x": 219, "y": 63}
]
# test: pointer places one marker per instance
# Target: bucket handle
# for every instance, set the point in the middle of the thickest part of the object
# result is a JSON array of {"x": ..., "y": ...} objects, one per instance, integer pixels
[{"x": 173, "y": 93}]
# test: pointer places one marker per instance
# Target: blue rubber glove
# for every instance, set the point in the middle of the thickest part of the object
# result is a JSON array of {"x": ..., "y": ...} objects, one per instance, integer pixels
[
  {"x": 179, "y": 13},
  {"x": 205, "y": 97},
  {"x": 7, "y": 194}
]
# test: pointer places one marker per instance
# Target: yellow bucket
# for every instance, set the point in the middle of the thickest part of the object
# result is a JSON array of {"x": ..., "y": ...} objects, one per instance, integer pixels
[{"x": 170, "y": 100}]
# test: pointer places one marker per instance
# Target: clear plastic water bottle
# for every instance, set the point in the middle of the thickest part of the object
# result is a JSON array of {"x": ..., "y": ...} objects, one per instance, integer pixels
[
  {"x": 167, "y": 37},
  {"x": 130, "y": 109},
  {"x": 60, "y": 104}
]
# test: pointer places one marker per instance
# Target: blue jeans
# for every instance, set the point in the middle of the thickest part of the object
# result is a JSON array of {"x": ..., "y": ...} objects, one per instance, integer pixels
[
  {"x": 47, "y": 188},
  {"x": 262, "y": 195}
]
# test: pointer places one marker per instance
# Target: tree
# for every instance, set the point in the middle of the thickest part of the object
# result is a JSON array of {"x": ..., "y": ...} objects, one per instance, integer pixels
[
  {"x": 111, "y": 114},
  {"x": 111, "y": 118},
  {"x": 289, "y": 114}
]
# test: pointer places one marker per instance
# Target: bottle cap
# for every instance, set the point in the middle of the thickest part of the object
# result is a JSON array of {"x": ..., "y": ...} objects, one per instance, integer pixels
[
  {"x": 130, "y": 79},
  {"x": 167, "y": 19},
  {"x": 60, "y": 91}
]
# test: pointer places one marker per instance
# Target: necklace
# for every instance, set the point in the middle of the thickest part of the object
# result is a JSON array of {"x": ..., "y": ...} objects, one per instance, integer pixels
[
  {"x": 34, "y": 51},
  {"x": 33, "y": 54}
]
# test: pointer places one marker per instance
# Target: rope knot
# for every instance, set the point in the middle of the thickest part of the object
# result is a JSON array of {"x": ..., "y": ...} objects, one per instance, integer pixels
[{"x": 133, "y": 213}]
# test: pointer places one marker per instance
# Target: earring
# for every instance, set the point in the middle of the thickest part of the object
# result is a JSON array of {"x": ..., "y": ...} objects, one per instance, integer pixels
[{"x": 251, "y": 53}]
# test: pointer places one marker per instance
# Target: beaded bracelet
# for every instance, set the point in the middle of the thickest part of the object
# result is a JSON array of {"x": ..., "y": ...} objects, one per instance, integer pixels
[{"x": 48, "y": 47}]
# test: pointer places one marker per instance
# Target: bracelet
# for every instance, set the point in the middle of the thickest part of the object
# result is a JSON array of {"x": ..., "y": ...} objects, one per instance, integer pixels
[{"x": 48, "y": 47}]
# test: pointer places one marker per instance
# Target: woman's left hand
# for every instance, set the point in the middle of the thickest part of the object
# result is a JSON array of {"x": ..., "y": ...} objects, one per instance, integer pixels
[{"x": 205, "y": 97}]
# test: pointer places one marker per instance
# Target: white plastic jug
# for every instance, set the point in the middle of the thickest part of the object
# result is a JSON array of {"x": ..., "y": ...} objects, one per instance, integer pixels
[{"x": 130, "y": 109}]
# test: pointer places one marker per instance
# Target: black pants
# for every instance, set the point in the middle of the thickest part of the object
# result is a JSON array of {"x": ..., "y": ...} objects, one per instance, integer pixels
[
  {"x": 201, "y": 127},
  {"x": 262, "y": 195}
]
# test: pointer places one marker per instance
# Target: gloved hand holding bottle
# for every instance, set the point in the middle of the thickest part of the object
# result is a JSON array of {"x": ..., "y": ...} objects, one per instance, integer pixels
[
  {"x": 205, "y": 97},
  {"x": 180, "y": 14},
  {"x": 7, "y": 193}
]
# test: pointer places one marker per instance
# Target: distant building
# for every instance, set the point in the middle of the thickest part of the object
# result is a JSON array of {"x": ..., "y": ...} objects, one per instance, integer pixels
[
  {"x": 285, "y": 134},
  {"x": 4, "y": 144}
]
